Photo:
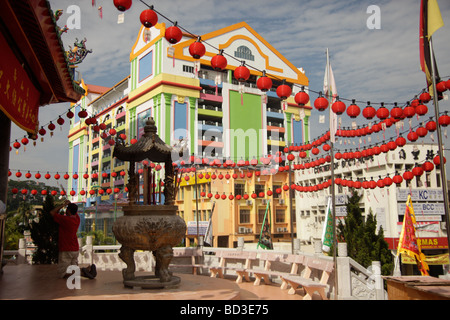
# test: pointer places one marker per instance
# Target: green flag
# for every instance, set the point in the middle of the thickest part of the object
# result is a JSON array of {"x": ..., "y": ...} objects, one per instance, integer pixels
[{"x": 327, "y": 233}]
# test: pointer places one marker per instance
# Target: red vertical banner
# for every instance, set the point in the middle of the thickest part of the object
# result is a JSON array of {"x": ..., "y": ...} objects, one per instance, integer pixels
[
  {"x": 19, "y": 99},
  {"x": 408, "y": 242}
]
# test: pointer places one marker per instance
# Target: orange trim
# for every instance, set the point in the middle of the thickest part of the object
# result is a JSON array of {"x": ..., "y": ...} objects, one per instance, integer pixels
[
  {"x": 74, "y": 133},
  {"x": 179, "y": 51},
  {"x": 161, "y": 83},
  {"x": 273, "y": 128},
  {"x": 297, "y": 106},
  {"x": 159, "y": 26}
]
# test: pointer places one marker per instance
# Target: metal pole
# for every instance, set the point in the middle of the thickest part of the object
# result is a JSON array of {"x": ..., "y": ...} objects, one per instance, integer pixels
[{"x": 440, "y": 149}]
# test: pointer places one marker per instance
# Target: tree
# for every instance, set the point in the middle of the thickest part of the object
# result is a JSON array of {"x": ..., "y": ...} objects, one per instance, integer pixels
[
  {"x": 364, "y": 243},
  {"x": 45, "y": 235}
]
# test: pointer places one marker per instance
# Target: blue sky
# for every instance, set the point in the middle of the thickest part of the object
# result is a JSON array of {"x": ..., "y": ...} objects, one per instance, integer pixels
[{"x": 377, "y": 65}]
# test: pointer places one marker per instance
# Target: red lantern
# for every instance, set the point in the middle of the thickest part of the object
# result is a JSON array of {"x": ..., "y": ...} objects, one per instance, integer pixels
[
  {"x": 82, "y": 114},
  {"x": 382, "y": 112},
  {"x": 444, "y": 120},
  {"x": 431, "y": 125},
  {"x": 397, "y": 178},
  {"x": 219, "y": 62},
  {"x": 72, "y": 193},
  {"x": 392, "y": 145},
  {"x": 369, "y": 112},
  {"x": 441, "y": 87},
  {"x": 417, "y": 171},
  {"x": 242, "y": 73},
  {"x": 421, "y": 131},
  {"x": 301, "y": 98},
  {"x": 397, "y": 112},
  {"x": 173, "y": 34},
  {"x": 37, "y": 175},
  {"x": 408, "y": 175},
  {"x": 338, "y": 107},
  {"x": 122, "y": 5},
  {"x": 387, "y": 181},
  {"x": 437, "y": 160},
  {"x": 425, "y": 97},
  {"x": 400, "y": 141},
  {"x": 412, "y": 136},
  {"x": 409, "y": 111},
  {"x": 16, "y": 144},
  {"x": 421, "y": 109},
  {"x": 197, "y": 49},
  {"x": 264, "y": 83},
  {"x": 353, "y": 110},
  {"x": 428, "y": 166},
  {"x": 284, "y": 91},
  {"x": 321, "y": 103},
  {"x": 70, "y": 114}
]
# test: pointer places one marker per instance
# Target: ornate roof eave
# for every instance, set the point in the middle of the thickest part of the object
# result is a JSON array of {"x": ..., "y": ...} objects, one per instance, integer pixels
[{"x": 36, "y": 36}]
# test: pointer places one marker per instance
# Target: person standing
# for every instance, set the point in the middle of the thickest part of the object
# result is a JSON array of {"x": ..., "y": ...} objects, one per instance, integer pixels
[{"x": 67, "y": 240}]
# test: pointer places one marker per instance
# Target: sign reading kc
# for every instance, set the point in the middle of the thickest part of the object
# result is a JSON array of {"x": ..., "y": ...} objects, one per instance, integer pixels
[{"x": 19, "y": 99}]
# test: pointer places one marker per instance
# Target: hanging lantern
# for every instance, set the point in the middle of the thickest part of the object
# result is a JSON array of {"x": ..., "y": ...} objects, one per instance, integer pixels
[
  {"x": 338, "y": 106},
  {"x": 369, "y": 112},
  {"x": 412, "y": 136},
  {"x": 315, "y": 151},
  {"x": 437, "y": 160},
  {"x": 397, "y": 178},
  {"x": 16, "y": 144},
  {"x": 431, "y": 125},
  {"x": 382, "y": 112},
  {"x": 380, "y": 183},
  {"x": 122, "y": 5},
  {"x": 408, "y": 175},
  {"x": 149, "y": 18},
  {"x": 264, "y": 83},
  {"x": 417, "y": 171},
  {"x": 409, "y": 111},
  {"x": 397, "y": 112},
  {"x": 242, "y": 73},
  {"x": 173, "y": 34},
  {"x": 353, "y": 110},
  {"x": 428, "y": 166},
  {"x": 444, "y": 120},
  {"x": 301, "y": 98},
  {"x": 387, "y": 181},
  {"x": 441, "y": 87},
  {"x": 421, "y": 131},
  {"x": 72, "y": 193},
  {"x": 82, "y": 114},
  {"x": 425, "y": 97},
  {"x": 60, "y": 121},
  {"x": 197, "y": 49},
  {"x": 391, "y": 145},
  {"x": 421, "y": 109},
  {"x": 219, "y": 62},
  {"x": 321, "y": 103},
  {"x": 400, "y": 141},
  {"x": 284, "y": 91}
]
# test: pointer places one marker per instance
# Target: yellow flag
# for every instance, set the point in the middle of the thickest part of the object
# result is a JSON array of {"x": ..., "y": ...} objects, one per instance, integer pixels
[{"x": 434, "y": 17}]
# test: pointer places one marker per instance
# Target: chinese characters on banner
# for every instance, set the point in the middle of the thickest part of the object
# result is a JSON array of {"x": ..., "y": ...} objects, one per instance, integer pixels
[{"x": 19, "y": 99}]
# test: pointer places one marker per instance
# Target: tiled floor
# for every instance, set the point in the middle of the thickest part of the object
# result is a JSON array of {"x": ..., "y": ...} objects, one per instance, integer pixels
[{"x": 39, "y": 282}]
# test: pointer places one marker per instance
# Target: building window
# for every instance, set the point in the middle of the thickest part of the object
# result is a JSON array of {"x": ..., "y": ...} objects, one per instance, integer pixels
[
  {"x": 244, "y": 216},
  {"x": 188, "y": 69},
  {"x": 146, "y": 66},
  {"x": 280, "y": 216},
  {"x": 261, "y": 215},
  {"x": 244, "y": 52},
  {"x": 239, "y": 188}
]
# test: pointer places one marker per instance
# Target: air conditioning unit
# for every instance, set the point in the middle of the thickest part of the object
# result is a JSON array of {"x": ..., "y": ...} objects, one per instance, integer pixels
[
  {"x": 285, "y": 229},
  {"x": 249, "y": 230},
  {"x": 279, "y": 229},
  {"x": 248, "y": 202},
  {"x": 242, "y": 229},
  {"x": 264, "y": 201},
  {"x": 281, "y": 201}
]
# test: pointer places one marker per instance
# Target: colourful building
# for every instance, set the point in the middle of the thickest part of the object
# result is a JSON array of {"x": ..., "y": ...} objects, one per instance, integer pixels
[{"x": 218, "y": 118}]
